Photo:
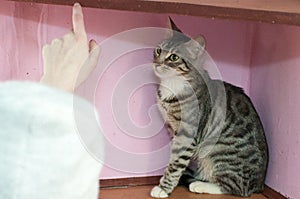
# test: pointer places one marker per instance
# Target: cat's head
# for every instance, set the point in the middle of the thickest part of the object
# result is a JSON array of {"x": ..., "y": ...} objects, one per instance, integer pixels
[{"x": 176, "y": 54}]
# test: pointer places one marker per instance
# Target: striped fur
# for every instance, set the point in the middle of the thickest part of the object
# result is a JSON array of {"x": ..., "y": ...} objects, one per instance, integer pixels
[{"x": 218, "y": 139}]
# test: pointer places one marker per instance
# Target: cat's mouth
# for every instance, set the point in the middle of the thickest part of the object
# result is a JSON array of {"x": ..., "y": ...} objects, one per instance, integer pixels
[{"x": 163, "y": 71}]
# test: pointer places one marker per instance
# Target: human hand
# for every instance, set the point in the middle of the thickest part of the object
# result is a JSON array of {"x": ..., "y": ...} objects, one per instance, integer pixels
[{"x": 69, "y": 61}]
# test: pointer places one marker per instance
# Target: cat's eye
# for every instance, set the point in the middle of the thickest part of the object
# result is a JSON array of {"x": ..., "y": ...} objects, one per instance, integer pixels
[
  {"x": 173, "y": 57},
  {"x": 157, "y": 51}
]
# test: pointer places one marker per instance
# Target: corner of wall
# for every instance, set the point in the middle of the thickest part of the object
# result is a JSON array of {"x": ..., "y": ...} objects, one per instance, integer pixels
[{"x": 252, "y": 39}]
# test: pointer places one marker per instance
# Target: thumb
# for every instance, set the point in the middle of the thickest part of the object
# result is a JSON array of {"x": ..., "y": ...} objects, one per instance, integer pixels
[
  {"x": 92, "y": 44},
  {"x": 94, "y": 50}
]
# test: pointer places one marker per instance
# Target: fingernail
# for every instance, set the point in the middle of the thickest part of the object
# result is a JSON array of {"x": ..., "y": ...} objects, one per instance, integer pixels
[{"x": 76, "y": 4}]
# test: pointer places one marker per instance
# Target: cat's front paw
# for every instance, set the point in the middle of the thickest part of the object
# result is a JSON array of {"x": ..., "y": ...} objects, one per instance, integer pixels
[{"x": 158, "y": 192}]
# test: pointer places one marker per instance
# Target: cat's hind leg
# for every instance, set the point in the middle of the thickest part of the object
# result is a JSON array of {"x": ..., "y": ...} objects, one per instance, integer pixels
[{"x": 205, "y": 187}]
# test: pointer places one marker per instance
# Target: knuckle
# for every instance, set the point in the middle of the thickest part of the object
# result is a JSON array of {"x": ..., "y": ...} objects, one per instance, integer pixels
[
  {"x": 56, "y": 41},
  {"x": 69, "y": 36},
  {"x": 46, "y": 48}
]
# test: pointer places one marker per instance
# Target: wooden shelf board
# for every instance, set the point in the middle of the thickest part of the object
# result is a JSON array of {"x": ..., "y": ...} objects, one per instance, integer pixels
[
  {"x": 138, "y": 192},
  {"x": 288, "y": 6},
  {"x": 270, "y": 11},
  {"x": 150, "y": 181}
]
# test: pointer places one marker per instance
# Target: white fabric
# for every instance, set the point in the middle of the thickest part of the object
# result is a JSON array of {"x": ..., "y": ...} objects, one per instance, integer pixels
[{"x": 42, "y": 155}]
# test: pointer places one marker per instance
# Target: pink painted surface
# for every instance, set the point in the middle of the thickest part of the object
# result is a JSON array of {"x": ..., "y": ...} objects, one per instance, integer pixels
[
  {"x": 275, "y": 90},
  {"x": 26, "y": 27}
]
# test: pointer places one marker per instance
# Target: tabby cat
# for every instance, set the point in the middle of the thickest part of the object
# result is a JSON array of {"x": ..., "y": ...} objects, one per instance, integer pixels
[{"x": 218, "y": 142}]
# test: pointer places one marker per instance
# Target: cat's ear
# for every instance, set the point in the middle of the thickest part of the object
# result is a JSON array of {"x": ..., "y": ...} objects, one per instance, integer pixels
[
  {"x": 171, "y": 28},
  {"x": 201, "y": 40},
  {"x": 195, "y": 46}
]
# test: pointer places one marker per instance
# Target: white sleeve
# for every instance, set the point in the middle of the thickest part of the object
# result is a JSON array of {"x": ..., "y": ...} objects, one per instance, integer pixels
[{"x": 45, "y": 135}]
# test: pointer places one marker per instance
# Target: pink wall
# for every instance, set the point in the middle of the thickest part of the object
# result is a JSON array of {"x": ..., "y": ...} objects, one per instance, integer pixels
[
  {"x": 261, "y": 58},
  {"x": 275, "y": 90},
  {"x": 123, "y": 86}
]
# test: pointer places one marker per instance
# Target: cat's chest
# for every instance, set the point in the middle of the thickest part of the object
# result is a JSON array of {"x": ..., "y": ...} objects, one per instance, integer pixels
[
  {"x": 162, "y": 107},
  {"x": 170, "y": 88},
  {"x": 169, "y": 108},
  {"x": 167, "y": 95},
  {"x": 167, "y": 98},
  {"x": 172, "y": 119}
]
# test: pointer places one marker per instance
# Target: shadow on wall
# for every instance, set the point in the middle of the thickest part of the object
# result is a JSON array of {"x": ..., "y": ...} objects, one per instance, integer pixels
[{"x": 275, "y": 90}]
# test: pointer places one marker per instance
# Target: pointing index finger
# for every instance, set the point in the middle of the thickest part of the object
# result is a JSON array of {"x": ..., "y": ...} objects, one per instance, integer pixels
[{"x": 78, "y": 22}]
